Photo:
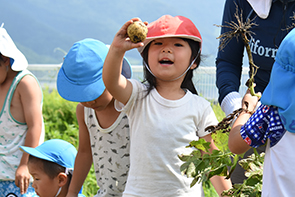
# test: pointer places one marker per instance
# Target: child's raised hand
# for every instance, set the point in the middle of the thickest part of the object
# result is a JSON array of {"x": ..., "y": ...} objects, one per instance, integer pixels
[{"x": 121, "y": 41}]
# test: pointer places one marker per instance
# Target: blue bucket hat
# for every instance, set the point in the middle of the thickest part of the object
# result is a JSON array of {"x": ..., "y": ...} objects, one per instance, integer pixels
[
  {"x": 55, "y": 150},
  {"x": 80, "y": 76},
  {"x": 280, "y": 90}
]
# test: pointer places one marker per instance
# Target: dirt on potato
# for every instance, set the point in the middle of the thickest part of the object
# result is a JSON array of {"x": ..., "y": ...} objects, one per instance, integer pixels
[{"x": 137, "y": 31}]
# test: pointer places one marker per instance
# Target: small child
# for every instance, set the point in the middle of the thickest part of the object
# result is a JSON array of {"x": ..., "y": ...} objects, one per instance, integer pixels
[
  {"x": 273, "y": 124},
  {"x": 103, "y": 131},
  {"x": 21, "y": 121},
  {"x": 165, "y": 113},
  {"x": 51, "y": 165}
]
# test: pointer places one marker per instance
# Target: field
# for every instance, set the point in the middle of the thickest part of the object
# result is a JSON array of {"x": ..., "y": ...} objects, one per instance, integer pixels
[{"x": 61, "y": 123}]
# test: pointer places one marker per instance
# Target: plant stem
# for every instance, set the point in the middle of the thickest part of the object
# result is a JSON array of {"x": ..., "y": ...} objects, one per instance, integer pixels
[{"x": 253, "y": 67}]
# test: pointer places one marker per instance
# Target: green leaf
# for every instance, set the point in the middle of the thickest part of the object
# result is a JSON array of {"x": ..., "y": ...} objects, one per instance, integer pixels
[
  {"x": 184, "y": 157},
  {"x": 201, "y": 144},
  {"x": 253, "y": 181},
  {"x": 194, "y": 181},
  {"x": 220, "y": 171},
  {"x": 236, "y": 159}
]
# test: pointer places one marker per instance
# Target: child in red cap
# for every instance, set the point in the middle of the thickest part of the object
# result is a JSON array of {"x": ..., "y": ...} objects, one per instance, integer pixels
[{"x": 165, "y": 113}]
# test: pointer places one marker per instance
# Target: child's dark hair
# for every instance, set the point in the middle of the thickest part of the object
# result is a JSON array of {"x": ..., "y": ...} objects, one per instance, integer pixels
[
  {"x": 187, "y": 82},
  {"x": 50, "y": 168}
]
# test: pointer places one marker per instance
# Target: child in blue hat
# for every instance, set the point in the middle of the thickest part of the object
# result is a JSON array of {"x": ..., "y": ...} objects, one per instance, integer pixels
[
  {"x": 51, "y": 164},
  {"x": 273, "y": 124},
  {"x": 103, "y": 132}
]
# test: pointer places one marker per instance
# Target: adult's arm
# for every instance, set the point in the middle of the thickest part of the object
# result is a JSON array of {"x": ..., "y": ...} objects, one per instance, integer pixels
[{"x": 229, "y": 59}]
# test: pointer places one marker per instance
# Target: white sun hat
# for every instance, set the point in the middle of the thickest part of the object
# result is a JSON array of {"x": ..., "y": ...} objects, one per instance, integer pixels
[{"x": 8, "y": 49}]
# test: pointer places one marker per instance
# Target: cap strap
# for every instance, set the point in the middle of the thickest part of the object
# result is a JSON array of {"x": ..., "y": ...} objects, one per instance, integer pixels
[{"x": 69, "y": 171}]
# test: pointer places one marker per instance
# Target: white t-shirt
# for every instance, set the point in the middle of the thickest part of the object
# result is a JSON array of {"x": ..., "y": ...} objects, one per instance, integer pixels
[
  {"x": 279, "y": 168},
  {"x": 160, "y": 130}
]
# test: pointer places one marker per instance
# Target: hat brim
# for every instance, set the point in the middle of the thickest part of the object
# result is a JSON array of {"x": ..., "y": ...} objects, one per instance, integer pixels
[
  {"x": 8, "y": 49},
  {"x": 34, "y": 152},
  {"x": 78, "y": 93},
  {"x": 71, "y": 91},
  {"x": 57, "y": 151},
  {"x": 19, "y": 61},
  {"x": 150, "y": 39}
]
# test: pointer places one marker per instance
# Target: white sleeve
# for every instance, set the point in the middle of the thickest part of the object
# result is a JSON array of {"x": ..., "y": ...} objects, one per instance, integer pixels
[
  {"x": 136, "y": 86},
  {"x": 231, "y": 102}
]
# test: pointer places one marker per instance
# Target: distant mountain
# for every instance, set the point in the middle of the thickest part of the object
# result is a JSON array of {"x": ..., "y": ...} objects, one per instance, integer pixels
[{"x": 42, "y": 30}]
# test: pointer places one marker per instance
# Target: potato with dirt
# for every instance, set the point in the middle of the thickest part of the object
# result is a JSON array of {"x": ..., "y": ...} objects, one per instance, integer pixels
[{"x": 137, "y": 31}]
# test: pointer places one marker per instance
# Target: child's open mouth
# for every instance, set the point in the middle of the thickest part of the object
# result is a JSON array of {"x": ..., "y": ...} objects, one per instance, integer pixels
[{"x": 166, "y": 61}]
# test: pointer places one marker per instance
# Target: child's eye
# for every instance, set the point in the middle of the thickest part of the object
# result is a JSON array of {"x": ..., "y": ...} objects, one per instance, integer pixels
[
  {"x": 157, "y": 43},
  {"x": 35, "y": 179},
  {"x": 178, "y": 45}
]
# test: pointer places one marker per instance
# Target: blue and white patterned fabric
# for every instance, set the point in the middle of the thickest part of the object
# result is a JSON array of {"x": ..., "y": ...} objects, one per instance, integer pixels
[
  {"x": 9, "y": 189},
  {"x": 264, "y": 124}
]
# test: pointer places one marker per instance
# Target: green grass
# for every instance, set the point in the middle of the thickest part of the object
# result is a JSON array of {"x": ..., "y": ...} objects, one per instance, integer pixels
[{"x": 61, "y": 123}]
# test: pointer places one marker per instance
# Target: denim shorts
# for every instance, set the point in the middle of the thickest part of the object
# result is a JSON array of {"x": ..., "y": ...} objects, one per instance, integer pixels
[{"x": 9, "y": 189}]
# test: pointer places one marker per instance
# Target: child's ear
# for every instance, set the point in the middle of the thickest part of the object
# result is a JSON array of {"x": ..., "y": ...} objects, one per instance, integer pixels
[
  {"x": 193, "y": 66},
  {"x": 6, "y": 60},
  {"x": 62, "y": 179}
]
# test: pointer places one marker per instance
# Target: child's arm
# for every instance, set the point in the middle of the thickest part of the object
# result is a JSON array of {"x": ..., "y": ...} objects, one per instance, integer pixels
[
  {"x": 83, "y": 159},
  {"x": 116, "y": 83},
  {"x": 31, "y": 98},
  {"x": 236, "y": 143},
  {"x": 219, "y": 182}
]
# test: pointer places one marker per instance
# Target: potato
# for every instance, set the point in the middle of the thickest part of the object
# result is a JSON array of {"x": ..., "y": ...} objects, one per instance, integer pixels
[{"x": 137, "y": 31}]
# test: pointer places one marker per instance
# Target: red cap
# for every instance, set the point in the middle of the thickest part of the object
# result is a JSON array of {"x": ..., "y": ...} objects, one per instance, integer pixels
[{"x": 168, "y": 26}]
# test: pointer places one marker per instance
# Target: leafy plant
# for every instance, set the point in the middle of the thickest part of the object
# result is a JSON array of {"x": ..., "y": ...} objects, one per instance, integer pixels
[
  {"x": 252, "y": 186},
  {"x": 203, "y": 167}
]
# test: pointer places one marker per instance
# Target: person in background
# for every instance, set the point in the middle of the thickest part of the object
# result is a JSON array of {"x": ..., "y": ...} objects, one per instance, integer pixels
[
  {"x": 51, "y": 164},
  {"x": 273, "y": 19},
  {"x": 165, "y": 112},
  {"x": 103, "y": 131},
  {"x": 272, "y": 124},
  {"x": 21, "y": 121}
]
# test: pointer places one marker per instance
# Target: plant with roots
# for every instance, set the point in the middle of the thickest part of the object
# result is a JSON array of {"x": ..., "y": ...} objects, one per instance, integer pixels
[
  {"x": 238, "y": 29},
  {"x": 241, "y": 29},
  {"x": 202, "y": 167}
]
